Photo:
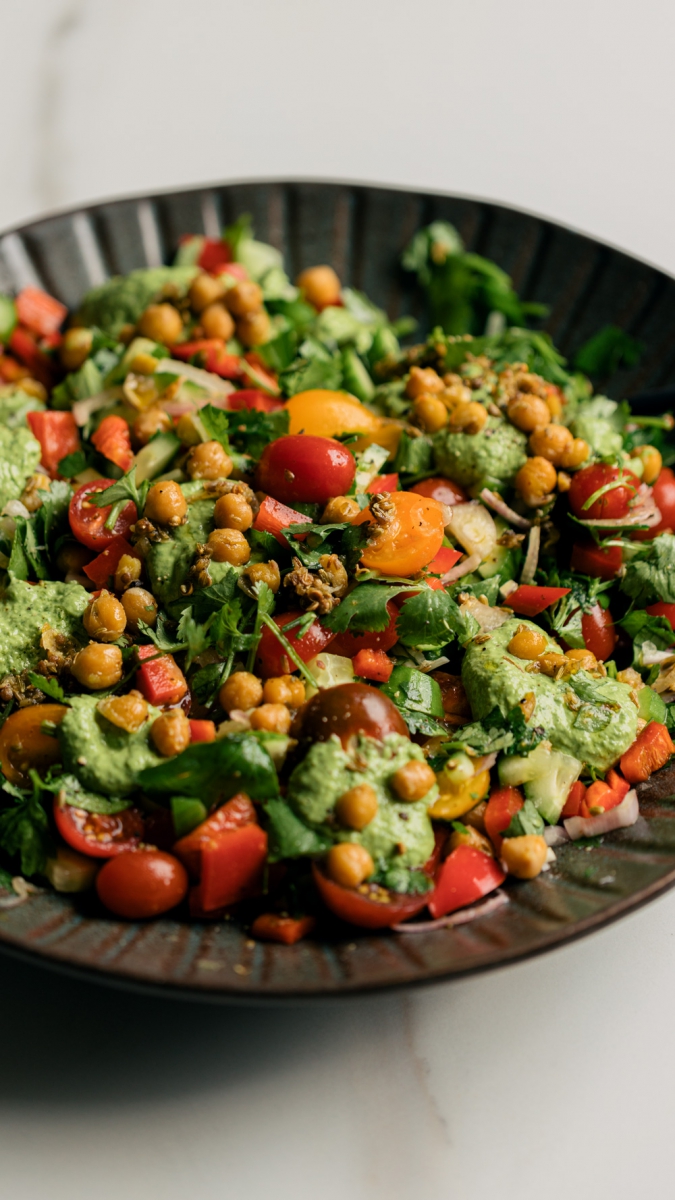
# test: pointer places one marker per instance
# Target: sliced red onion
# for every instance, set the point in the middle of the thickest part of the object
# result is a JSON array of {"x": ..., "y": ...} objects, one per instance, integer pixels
[
  {"x": 463, "y": 568},
  {"x": 457, "y": 918},
  {"x": 626, "y": 813},
  {"x": 532, "y": 556},
  {"x": 493, "y": 500},
  {"x": 555, "y": 835}
]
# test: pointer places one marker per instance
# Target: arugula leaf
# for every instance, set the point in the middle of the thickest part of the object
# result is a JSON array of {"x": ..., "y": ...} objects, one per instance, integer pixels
[
  {"x": 79, "y": 797},
  {"x": 498, "y": 732},
  {"x": 608, "y": 349},
  {"x": 49, "y": 686},
  {"x": 24, "y": 828},
  {"x": 212, "y": 771},
  {"x": 431, "y": 619},
  {"x": 650, "y": 575},
  {"x": 526, "y": 821}
]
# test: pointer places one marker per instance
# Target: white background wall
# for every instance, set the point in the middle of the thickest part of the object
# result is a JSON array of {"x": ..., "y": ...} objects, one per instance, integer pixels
[{"x": 554, "y": 1078}]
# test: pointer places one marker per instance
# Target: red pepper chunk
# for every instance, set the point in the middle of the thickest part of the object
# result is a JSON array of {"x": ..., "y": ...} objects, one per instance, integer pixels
[
  {"x": 529, "y": 601},
  {"x": 465, "y": 877},
  {"x": 112, "y": 439},
  {"x": 202, "y": 731},
  {"x": 161, "y": 680},
  {"x": 235, "y": 814},
  {"x": 254, "y": 400},
  {"x": 373, "y": 664},
  {"x": 57, "y": 434},
  {"x": 649, "y": 751},
  {"x": 575, "y": 800},
  {"x": 39, "y": 312},
  {"x": 106, "y": 563},
  {"x": 232, "y": 864},
  {"x": 269, "y": 927},
  {"x": 273, "y": 517},
  {"x": 214, "y": 253}
]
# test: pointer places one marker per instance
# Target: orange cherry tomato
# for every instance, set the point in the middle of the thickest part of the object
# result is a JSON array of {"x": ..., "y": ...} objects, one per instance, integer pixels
[
  {"x": 323, "y": 413},
  {"x": 410, "y": 541},
  {"x": 23, "y": 744}
]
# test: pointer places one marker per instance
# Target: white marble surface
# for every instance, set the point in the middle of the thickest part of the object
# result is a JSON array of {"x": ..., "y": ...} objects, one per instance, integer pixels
[{"x": 553, "y": 1078}]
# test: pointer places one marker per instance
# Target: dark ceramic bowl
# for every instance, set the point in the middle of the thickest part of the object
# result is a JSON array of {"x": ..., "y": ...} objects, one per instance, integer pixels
[{"x": 361, "y": 231}]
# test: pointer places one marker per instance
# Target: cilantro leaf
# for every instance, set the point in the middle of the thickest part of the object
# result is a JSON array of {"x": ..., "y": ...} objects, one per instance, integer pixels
[
  {"x": 526, "y": 821},
  {"x": 211, "y": 599},
  {"x": 49, "y": 686},
  {"x": 431, "y": 619},
  {"x": 347, "y": 541},
  {"x": 414, "y": 455},
  {"x": 73, "y": 463},
  {"x": 650, "y": 575},
  {"x": 499, "y": 732},
  {"x": 565, "y": 616},
  {"x": 217, "y": 424},
  {"x": 643, "y": 629},
  {"x": 160, "y": 636},
  {"x": 120, "y": 493},
  {"x": 206, "y": 683},
  {"x": 193, "y": 634},
  {"x": 251, "y": 431},
  {"x": 364, "y": 609},
  {"x": 213, "y": 771},
  {"x": 24, "y": 828}
]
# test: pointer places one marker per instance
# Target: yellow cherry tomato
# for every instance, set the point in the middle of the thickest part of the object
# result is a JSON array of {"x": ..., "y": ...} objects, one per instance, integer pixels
[
  {"x": 460, "y": 798},
  {"x": 410, "y": 540},
  {"x": 323, "y": 413},
  {"x": 23, "y": 744}
]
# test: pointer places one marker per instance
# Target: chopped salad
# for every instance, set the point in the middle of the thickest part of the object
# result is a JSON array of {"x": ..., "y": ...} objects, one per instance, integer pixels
[{"x": 303, "y": 619}]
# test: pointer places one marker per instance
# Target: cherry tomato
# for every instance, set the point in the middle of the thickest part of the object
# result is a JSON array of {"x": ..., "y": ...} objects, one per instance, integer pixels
[
  {"x": 323, "y": 413},
  {"x": 349, "y": 644},
  {"x": 271, "y": 658},
  {"x": 663, "y": 492},
  {"x": 443, "y": 490},
  {"x": 410, "y": 540},
  {"x": 613, "y": 503},
  {"x": 597, "y": 627},
  {"x": 662, "y": 609},
  {"x": 143, "y": 884},
  {"x": 350, "y": 709},
  {"x": 589, "y": 559},
  {"x": 96, "y": 834},
  {"x": 351, "y": 905},
  {"x": 304, "y": 469},
  {"x": 23, "y": 745},
  {"x": 87, "y": 521}
]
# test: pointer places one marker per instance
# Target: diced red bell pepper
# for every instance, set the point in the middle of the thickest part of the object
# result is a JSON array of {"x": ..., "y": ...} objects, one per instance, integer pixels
[
  {"x": 106, "y": 563},
  {"x": 269, "y": 927},
  {"x": 596, "y": 561},
  {"x": 24, "y": 345},
  {"x": 161, "y": 680},
  {"x": 39, "y": 312},
  {"x": 617, "y": 783},
  {"x": 501, "y": 807},
  {"x": 465, "y": 877},
  {"x": 232, "y": 865},
  {"x": 529, "y": 601},
  {"x": 112, "y": 439},
  {"x": 649, "y": 751},
  {"x": 235, "y": 814},
  {"x": 599, "y": 797},
  {"x": 575, "y": 800},
  {"x": 383, "y": 483},
  {"x": 273, "y": 517},
  {"x": 253, "y": 399},
  {"x": 211, "y": 354},
  {"x": 373, "y": 664},
  {"x": 202, "y": 731},
  {"x": 57, "y": 434},
  {"x": 214, "y": 253}
]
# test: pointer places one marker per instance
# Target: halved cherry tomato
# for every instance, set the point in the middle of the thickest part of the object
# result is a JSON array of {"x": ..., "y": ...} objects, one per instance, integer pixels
[
  {"x": 599, "y": 634},
  {"x": 529, "y": 601},
  {"x": 232, "y": 866},
  {"x": 373, "y": 664},
  {"x": 358, "y": 909},
  {"x": 349, "y": 644},
  {"x": 270, "y": 927},
  {"x": 235, "y": 814},
  {"x": 465, "y": 877},
  {"x": 253, "y": 400},
  {"x": 202, "y": 731},
  {"x": 501, "y": 807},
  {"x": 574, "y": 802},
  {"x": 383, "y": 483},
  {"x": 40, "y": 312},
  {"x": 324, "y": 413},
  {"x": 650, "y": 751},
  {"x": 441, "y": 489},
  {"x": 23, "y": 745},
  {"x": 305, "y": 469},
  {"x": 112, "y": 439},
  {"x": 410, "y": 541},
  {"x": 663, "y": 492},
  {"x": 87, "y": 521},
  {"x": 105, "y": 564},
  {"x": 589, "y": 559},
  {"x": 97, "y": 834},
  {"x": 662, "y": 609},
  {"x": 57, "y": 434},
  {"x": 271, "y": 657},
  {"x": 613, "y": 503},
  {"x": 350, "y": 709},
  {"x": 160, "y": 680},
  {"x": 143, "y": 884},
  {"x": 273, "y": 517}
]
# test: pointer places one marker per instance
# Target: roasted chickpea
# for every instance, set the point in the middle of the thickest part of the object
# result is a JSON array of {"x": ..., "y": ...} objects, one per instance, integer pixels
[
  {"x": 161, "y": 323},
  {"x": 254, "y": 328},
  {"x": 217, "y": 322},
  {"x": 320, "y": 286},
  {"x": 273, "y": 718},
  {"x": 470, "y": 836},
  {"x": 585, "y": 659},
  {"x": 339, "y": 510},
  {"x": 349, "y": 864},
  {"x": 423, "y": 380},
  {"x": 75, "y": 348},
  {"x": 413, "y": 781},
  {"x": 552, "y": 664},
  {"x": 525, "y": 856},
  {"x": 264, "y": 573},
  {"x": 128, "y": 571},
  {"x": 208, "y": 460},
  {"x": 229, "y": 546},
  {"x": 430, "y": 413},
  {"x": 358, "y": 807},
  {"x": 527, "y": 412},
  {"x": 535, "y": 479},
  {"x": 98, "y": 666},
  {"x": 245, "y": 297},
  {"x": 104, "y": 618},
  {"x": 170, "y": 732},
  {"x": 153, "y": 420},
  {"x": 527, "y": 643},
  {"x": 551, "y": 442},
  {"x": 284, "y": 689},
  {"x": 72, "y": 557},
  {"x": 651, "y": 462},
  {"x": 576, "y": 454},
  {"x": 241, "y": 691},
  {"x": 468, "y": 418},
  {"x": 127, "y": 712},
  {"x": 166, "y": 504},
  {"x": 204, "y": 290},
  {"x": 455, "y": 394},
  {"x": 139, "y": 605},
  {"x": 233, "y": 512}
]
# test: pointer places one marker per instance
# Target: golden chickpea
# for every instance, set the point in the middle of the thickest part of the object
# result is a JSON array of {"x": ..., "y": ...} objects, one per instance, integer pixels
[
  {"x": 456, "y": 393},
  {"x": 551, "y": 442},
  {"x": 72, "y": 557},
  {"x": 413, "y": 781},
  {"x": 535, "y": 479},
  {"x": 208, "y": 460},
  {"x": 651, "y": 462},
  {"x": 576, "y": 454},
  {"x": 264, "y": 573},
  {"x": 139, "y": 605},
  {"x": 217, "y": 322},
  {"x": 471, "y": 837},
  {"x": 585, "y": 659},
  {"x": 468, "y": 418},
  {"x": 204, "y": 290},
  {"x": 245, "y": 297},
  {"x": 284, "y": 689},
  {"x": 128, "y": 571},
  {"x": 339, "y": 510},
  {"x": 527, "y": 643},
  {"x": 170, "y": 733},
  {"x": 430, "y": 413},
  {"x": 254, "y": 328},
  {"x": 166, "y": 504},
  {"x": 147, "y": 424},
  {"x": 75, "y": 348},
  {"x": 229, "y": 546},
  {"x": 242, "y": 690},
  {"x": 564, "y": 481},
  {"x": 554, "y": 401},
  {"x": 97, "y": 666},
  {"x": 320, "y": 286},
  {"x": 127, "y": 712},
  {"x": 358, "y": 807},
  {"x": 161, "y": 323},
  {"x": 527, "y": 412},
  {"x": 423, "y": 380},
  {"x": 349, "y": 864},
  {"x": 552, "y": 664},
  {"x": 233, "y": 512},
  {"x": 104, "y": 618},
  {"x": 525, "y": 856},
  {"x": 273, "y": 718}
]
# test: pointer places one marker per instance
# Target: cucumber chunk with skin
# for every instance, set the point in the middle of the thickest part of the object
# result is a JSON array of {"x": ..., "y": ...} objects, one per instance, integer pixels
[
  {"x": 154, "y": 458},
  {"x": 547, "y": 776}
]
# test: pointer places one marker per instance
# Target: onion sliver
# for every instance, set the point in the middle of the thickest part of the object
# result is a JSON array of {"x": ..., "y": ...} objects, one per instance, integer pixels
[{"x": 493, "y": 500}]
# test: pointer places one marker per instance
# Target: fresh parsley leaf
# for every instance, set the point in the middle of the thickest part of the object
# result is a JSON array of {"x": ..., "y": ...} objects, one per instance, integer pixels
[
  {"x": 643, "y": 629},
  {"x": 565, "y": 616},
  {"x": 217, "y": 424},
  {"x": 194, "y": 635},
  {"x": 431, "y": 619},
  {"x": 121, "y": 492},
  {"x": 206, "y": 683},
  {"x": 526, "y": 821},
  {"x": 49, "y": 686},
  {"x": 650, "y": 575},
  {"x": 347, "y": 541},
  {"x": 160, "y": 635},
  {"x": 251, "y": 431},
  {"x": 211, "y": 599},
  {"x": 213, "y": 771}
]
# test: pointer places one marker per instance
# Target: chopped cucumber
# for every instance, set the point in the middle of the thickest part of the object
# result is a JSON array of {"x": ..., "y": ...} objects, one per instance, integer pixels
[
  {"x": 547, "y": 775},
  {"x": 154, "y": 458},
  {"x": 650, "y": 706},
  {"x": 8, "y": 318}
]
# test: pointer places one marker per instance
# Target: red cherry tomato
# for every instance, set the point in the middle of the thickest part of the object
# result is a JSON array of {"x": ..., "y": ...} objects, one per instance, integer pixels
[
  {"x": 87, "y": 521},
  {"x": 589, "y": 559},
  {"x": 350, "y": 709},
  {"x": 96, "y": 834},
  {"x": 349, "y": 644},
  {"x": 613, "y": 503},
  {"x": 597, "y": 627},
  {"x": 352, "y": 906},
  {"x": 663, "y": 492},
  {"x": 300, "y": 468},
  {"x": 443, "y": 490},
  {"x": 143, "y": 884},
  {"x": 271, "y": 657},
  {"x": 662, "y": 609}
]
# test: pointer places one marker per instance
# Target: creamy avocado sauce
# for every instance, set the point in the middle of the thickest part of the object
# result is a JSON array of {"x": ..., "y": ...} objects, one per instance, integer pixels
[
  {"x": 492, "y": 456},
  {"x": 19, "y": 456},
  {"x": 593, "y": 719},
  {"x": 25, "y": 609},
  {"x": 104, "y": 758}
]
